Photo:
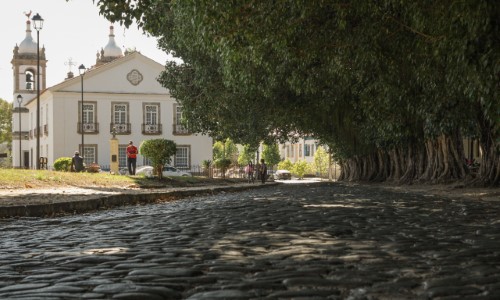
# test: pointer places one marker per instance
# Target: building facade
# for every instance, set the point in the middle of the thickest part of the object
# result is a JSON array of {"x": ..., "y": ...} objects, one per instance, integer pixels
[
  {"x": 121, "y": 97},
  {"x": 302, "y": 149}
]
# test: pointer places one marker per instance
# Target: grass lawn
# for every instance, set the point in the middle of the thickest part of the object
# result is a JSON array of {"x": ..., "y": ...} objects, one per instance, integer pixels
[{"x": 20, "y": 178}]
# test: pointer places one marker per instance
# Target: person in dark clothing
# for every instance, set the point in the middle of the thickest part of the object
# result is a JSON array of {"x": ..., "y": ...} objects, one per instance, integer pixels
[
  {"x": 77, "y": 163},
  {"x": 263, "y": 171}
]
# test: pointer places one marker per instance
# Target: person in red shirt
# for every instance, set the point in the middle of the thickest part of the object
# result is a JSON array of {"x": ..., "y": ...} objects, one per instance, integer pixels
[{"x": 131, "y": 157}]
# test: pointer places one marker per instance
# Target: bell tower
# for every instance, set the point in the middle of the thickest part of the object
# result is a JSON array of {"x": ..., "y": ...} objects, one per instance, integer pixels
[{"x": 24, "y": 66}]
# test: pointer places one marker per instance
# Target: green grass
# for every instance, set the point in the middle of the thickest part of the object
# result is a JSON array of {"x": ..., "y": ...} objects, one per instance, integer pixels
[{"x": 18, "y": 179}]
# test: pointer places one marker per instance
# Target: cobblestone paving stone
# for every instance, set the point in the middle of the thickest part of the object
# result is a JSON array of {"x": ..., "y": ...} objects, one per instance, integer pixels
[{"x": 304, "y": 241}]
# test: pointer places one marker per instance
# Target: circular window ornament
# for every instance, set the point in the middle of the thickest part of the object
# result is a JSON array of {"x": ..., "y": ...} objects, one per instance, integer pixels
[{"x": 134, "y": 77}]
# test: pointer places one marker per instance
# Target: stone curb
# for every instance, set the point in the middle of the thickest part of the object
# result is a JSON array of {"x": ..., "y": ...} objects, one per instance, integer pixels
[{"x": 103, "y": 202}]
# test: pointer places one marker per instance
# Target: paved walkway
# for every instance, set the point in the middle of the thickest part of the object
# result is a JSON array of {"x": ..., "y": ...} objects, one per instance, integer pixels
[
  {"x": 310, "y": 241},
  {"x": 71, "y": 200}
]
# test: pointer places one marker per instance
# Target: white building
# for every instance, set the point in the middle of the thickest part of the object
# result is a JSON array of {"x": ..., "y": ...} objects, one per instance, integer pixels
[
  {"x": 119, "y": 91},
  {"x": 302, "y": 149}
]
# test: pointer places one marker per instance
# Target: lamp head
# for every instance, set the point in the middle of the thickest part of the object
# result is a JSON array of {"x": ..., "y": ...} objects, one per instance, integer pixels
[
  {"x": 37, "y": 22},
  {"x": 19, "y": 99},
  {"x": 81, "y": 69}
]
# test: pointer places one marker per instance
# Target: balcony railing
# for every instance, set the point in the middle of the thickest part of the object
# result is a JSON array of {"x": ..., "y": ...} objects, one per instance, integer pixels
[
  {"x": 180, "y": 130},
  {"x": 88, "y": 128},
  {"x": 121, "y": 128},
  {"x": 151, "y": 129}
]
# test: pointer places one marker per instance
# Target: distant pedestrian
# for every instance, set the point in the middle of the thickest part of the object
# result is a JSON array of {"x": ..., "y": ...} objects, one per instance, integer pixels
[
  {"x": 263, "y": 171},
  {"x": 249, "y": 169},
  {"x": 131, "y": 158},
  {"x": 77, "y": 163}
]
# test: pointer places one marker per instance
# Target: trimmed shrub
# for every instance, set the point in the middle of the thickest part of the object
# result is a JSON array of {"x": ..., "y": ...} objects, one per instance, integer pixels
[{"x": 62, "y": 164}]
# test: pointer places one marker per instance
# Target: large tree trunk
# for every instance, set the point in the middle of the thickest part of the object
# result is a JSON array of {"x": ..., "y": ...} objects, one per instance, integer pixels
[
  {"x": 371, "y": 167},
  {"x": 410, "y": 169},
  {"x": 383, "y": 166},
  {"x": 452, "y": 158},
  {"x": 437, "y": 161},
  {"x": 395, "y": 172},
  {"x": 430, "y": 153},
  {"x": 489, "y": 169},
  {"x": 421, "y": 162}
]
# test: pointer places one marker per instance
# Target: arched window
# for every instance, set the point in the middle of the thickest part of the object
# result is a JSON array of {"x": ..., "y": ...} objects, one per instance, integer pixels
[{"x": 29, "y": 79}]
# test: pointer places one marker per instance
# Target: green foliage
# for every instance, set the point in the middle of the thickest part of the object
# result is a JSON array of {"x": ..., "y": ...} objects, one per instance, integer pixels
[
  {"x": 246, "y": 155},
  {"x": 62, "y": 164},
  {"x": 5, "y": 162},
  {"x": 271, "y": 154},
  {"x": 225, "y": 149},
  {"x": 300, "y": 168},
  {"x": 222, "y": 163},
  {"x": 206, "y": 163},
  {"x": 285, "y": 165},
  {"x": 218, "y": 150},
  {"x": 321, "y": 161},
  {"x": 6, "y": 122},
  {"x": 159, "y": 152},
  {"x": 361, "y": 76}
]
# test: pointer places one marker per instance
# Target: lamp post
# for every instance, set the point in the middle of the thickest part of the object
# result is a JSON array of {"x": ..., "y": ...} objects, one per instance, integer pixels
[
  {"x": 81, "y": 70},
  {"x": 19, "y": 101},
  {"x": 38, "y": 24}
]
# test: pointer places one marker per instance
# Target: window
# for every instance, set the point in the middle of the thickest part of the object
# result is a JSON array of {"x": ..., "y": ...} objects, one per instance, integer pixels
[
  {"x": 151, "y": 118},
  {"x": 178, "y": 115},
  {"x": 120, "y": 113},
  {"x": 300, "y": 150},
  {"x": 179, "y": 128},
  {"x": 89, "y": 154},
  {"x": 122, "y": 156},
  {"x": 29, "y": 79},
  {"x": 89, "y": 117},
  {"x": 151, "y": 114},
  {"x": 182, "y": 157},
  {"x": 292, "y": 152},
  {"x": 88, "y": 113},
  {"x": 307, "y": 149},
  {"x": 120, "y": 119}
]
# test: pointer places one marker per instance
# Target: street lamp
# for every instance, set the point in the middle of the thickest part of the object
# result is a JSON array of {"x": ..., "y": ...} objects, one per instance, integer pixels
[
  {"x": 81, "y": 70},
  {"x": 19, "y": 101},
  {"x": 38, "y": 25}
]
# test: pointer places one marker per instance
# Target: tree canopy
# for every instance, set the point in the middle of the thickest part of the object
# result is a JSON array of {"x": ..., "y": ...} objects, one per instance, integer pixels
[
  {"x": 392, "y": 87},
  {"x": 5, "y": 122},
  {"x": 159, "y": 152}
]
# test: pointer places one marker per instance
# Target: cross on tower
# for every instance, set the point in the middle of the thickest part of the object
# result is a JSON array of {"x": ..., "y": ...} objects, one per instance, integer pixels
[{"x": 70, "y": 63}]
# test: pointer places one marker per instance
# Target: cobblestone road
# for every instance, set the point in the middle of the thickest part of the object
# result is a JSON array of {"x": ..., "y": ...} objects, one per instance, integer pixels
[{"x": 314, "y": 241}]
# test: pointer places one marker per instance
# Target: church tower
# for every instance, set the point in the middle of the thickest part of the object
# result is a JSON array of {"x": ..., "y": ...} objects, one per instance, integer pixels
[
  {"x": 110, "y": 52},
  {"x": 24, "y": 66}
]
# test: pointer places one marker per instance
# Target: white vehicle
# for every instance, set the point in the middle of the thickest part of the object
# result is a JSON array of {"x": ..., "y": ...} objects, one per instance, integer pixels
[
  {"x": 282, "y": 175},
  {"x": 167, "y": 171}
]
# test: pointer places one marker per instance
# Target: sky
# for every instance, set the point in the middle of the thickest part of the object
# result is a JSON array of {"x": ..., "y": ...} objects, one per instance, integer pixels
[{"x": 72, "y": 29}]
